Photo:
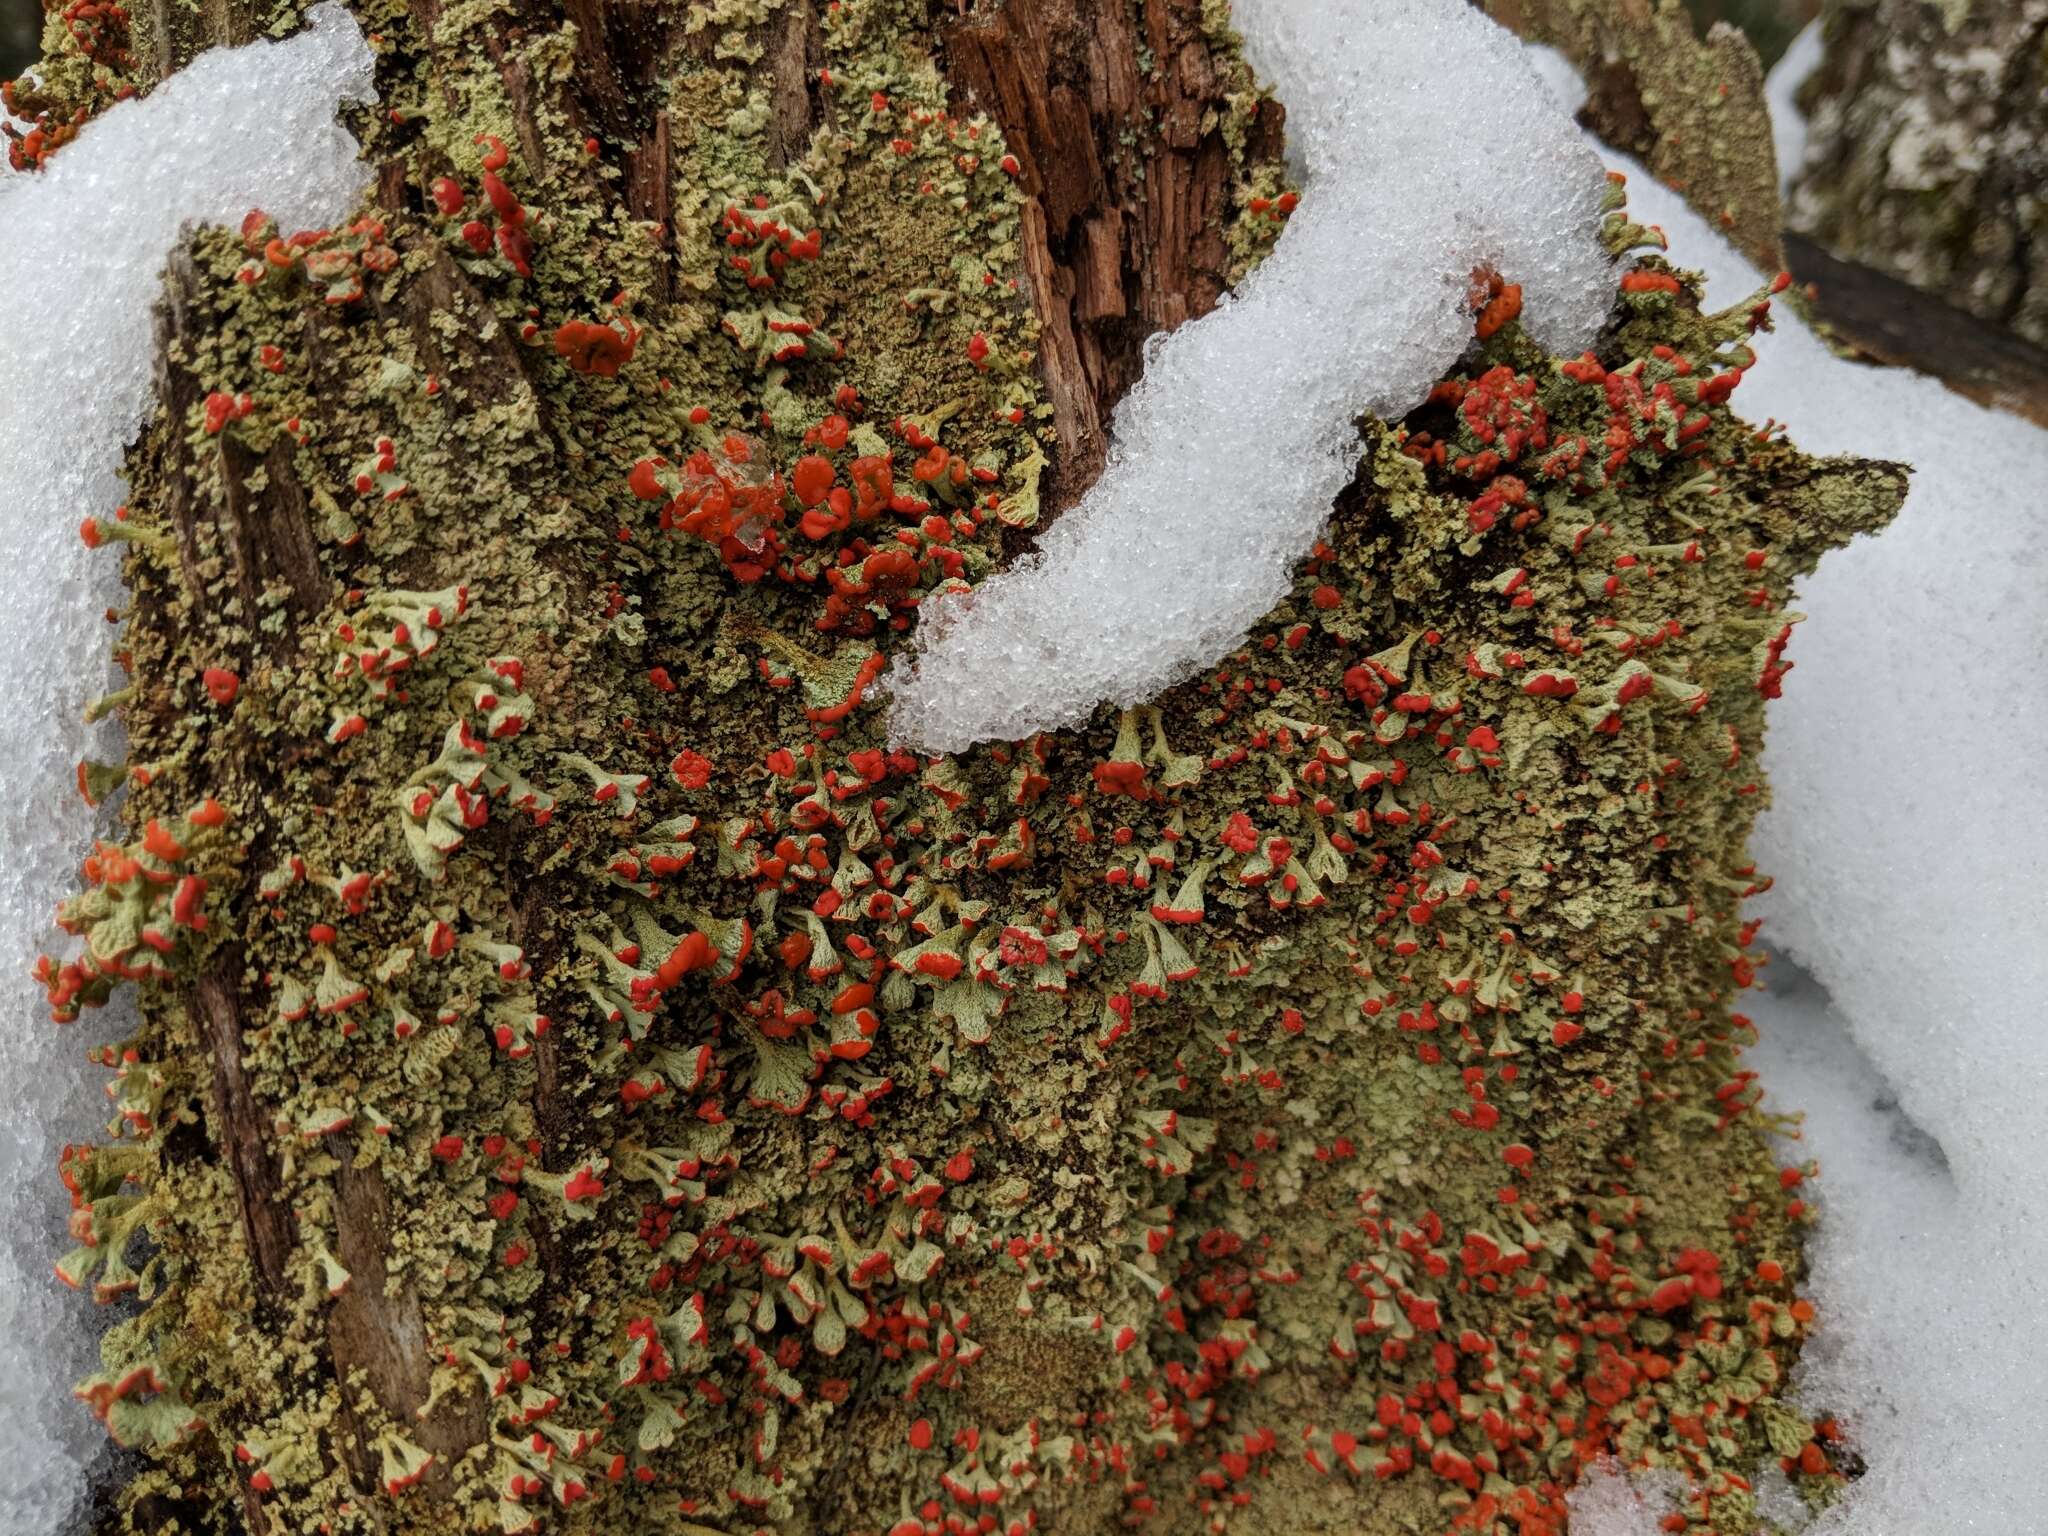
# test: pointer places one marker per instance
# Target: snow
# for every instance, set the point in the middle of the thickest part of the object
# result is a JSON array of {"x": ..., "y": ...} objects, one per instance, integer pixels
[
  {"x": 82, "y": 247},
  {"x": 1429, "y": 147},
  {"x": 1608, "y": 1502},
  {"x": 1781, "y": 86},
  {"x": 1559, "y": 75},
  {"x": 1896, "y": 1268},
  {"x": 1908, "y": 839}
]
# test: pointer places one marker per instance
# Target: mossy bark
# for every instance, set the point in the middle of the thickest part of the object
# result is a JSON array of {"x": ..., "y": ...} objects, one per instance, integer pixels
[{"x": 589, "y": 1081}]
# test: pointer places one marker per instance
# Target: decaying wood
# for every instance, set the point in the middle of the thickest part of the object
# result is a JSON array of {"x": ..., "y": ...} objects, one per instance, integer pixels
[
  {"x": 374, "y": 1327},
  {"x": 242, "y": 1134},
  {"x": 1124, "y": 233},
  {"x": 266, "y": 529}
]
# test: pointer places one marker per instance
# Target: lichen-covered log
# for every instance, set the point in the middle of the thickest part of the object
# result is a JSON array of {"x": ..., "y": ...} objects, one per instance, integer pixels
[
  {"x": 588, "y": 1081},
  {"x": 1929, "y": 151}
]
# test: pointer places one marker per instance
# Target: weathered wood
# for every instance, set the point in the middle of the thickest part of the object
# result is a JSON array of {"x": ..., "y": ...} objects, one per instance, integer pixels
[
  {"x": 239, "y": 1130},
  {"x": 1122, "y": 239},
  {"x": 374, "y": 1327}
]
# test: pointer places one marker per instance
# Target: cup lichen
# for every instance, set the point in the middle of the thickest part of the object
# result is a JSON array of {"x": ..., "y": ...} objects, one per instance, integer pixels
[{"x": 586, "y": 1080}]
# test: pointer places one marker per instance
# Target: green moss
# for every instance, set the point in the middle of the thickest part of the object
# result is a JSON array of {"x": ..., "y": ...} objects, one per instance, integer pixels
[{"x": 1330, "y": 1064}]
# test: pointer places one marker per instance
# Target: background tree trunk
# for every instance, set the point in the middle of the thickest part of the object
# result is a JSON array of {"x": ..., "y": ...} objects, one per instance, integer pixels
[{"x": 1929, "y": 150}]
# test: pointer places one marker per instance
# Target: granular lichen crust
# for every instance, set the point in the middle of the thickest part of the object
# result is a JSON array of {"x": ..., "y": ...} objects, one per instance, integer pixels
[
  {"x": 588, "y": 1082},
  {"x": 88, "y": 63}
]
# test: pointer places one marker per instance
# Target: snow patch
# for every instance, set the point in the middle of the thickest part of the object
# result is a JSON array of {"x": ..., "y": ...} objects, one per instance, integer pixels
[
  {"x": 1429, "y": 147},
  {"x": 1559, "y": 75},
  {"x": 1609, "y": 1502},
  {"x": 1781, "y": 88},
  {"x": 1907, "y": 838},
  {"x": 82, "y": 247},
  {"x": 1919, "y": 1329}
]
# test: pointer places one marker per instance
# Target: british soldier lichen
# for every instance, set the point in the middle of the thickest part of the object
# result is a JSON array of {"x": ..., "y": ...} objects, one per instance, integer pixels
[
  {"x": 89, "y": 62},
  {"x": 1317, "y": 1085}
]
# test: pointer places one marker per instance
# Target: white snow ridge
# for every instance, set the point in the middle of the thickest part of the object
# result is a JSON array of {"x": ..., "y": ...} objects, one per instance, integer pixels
[
  {"x": 1781, "y": 98},
  {"x": 1430, "y": 147},
  {"x": 82, "y": 248}
]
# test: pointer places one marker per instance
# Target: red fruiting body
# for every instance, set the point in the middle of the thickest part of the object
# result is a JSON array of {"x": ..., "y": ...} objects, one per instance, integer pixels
[
  {"x": 221, "y": 685},
  {"x": 590, "y": 347}
]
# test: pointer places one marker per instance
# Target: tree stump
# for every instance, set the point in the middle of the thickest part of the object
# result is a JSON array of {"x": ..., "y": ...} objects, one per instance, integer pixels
[{"x": 590, "y": 1079}]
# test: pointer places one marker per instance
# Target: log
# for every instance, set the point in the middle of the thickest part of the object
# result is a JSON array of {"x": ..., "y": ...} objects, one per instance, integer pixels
[{"x": 610, "y": 1086}]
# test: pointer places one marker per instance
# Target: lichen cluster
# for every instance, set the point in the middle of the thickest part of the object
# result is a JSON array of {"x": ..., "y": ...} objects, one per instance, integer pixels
[
  {"x": 88, "y": 64},
  {"x": 588, "y": 1081}
]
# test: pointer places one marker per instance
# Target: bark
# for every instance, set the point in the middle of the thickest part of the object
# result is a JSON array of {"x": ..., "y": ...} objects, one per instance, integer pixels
[
  {"x": 238, "y": 1129},
  {"x": 1929, "y": 152},
  {"x": 1117, "y": 245}
]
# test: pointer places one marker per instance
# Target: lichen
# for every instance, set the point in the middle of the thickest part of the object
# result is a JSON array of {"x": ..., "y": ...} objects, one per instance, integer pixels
[
  {"x": 1309, "y": 1101},
  {"x": 88, "y": 63}
]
